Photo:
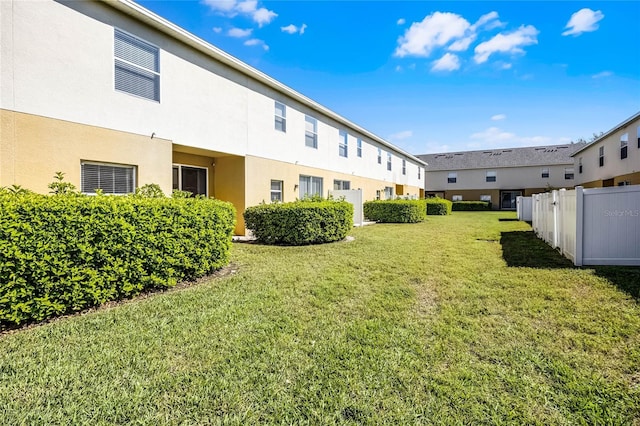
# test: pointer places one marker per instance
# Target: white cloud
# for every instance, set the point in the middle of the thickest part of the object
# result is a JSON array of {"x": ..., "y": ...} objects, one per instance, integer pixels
[
  {"x": 401, "y": 21},
  {"x": 436, "y": 148},
  {"x": 217, "y": 30},
  {"x": 435, "y": 30},
  {"x": 602, "y": 74},
  {"x": 511, "y": 42},
  {"x": 506, "y": 66},
  {"x": 292, "y": 29},
  {"x": 259, "y": 15},
  {"x": 239, "y": 32},
  {"x": 256, "y": 42},
  {"x": 405, "y": 134},
  {"x": 583, "y": 21},
  {"x": 488, "y": 21},
  {"x": 494, "y": 137},
  {"x": 449, "y": 62},
  {"x": 498, "y": 117},
  {"x": 462, "y": 44}
]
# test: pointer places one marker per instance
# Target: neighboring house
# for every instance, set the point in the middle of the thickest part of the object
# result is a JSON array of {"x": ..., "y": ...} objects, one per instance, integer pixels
[
  {"x": 117, "y": 97},
  {"x": 613, "y": 159},
  {"x": 499, "y": 175}
]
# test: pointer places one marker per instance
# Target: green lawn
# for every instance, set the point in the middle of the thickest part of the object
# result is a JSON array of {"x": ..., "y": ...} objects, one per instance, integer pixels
[{"x": 462, "y": 319}]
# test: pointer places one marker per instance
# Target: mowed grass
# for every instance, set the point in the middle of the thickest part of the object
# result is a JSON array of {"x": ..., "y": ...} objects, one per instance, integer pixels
[{"x": 459, "y": 320}]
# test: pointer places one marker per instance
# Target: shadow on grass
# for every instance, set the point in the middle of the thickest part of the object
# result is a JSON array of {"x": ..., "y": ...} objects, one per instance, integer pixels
[{"x": 524, "y": 248}]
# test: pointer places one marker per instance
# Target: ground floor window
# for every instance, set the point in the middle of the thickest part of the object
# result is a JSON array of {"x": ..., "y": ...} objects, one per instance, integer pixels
[
  {"x": 486, "y": 198},
  {"x": 190, "y": 178},
  {"x": 456, "y": 198},
  {"x": 310, "y": 186},
  {"x": 388, "y": 193},
  {"x": 276, "y": 190},
  {"x": 341, "y": 184},
  {"x": 508, "y": 199},
  {"x": 109, "y": 178}
]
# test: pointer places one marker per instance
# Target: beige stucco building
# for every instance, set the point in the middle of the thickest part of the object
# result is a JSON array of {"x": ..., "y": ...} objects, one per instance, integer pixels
[
  {"x": 116, "y": 97},
  {"x": 499, "y": 175},
  {"x": 613, "y": 159}
]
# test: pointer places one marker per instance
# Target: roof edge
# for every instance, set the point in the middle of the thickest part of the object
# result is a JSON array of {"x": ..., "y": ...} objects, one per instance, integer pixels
[{"x": 608, "y": 133}]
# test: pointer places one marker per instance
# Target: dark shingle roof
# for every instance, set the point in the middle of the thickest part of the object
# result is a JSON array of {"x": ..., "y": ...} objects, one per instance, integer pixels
[{"x": 508, "y": 157}]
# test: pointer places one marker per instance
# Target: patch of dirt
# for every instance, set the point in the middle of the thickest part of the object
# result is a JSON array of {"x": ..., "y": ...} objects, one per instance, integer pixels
[
  {"x": 426, "y": 297},
  {"x": 220, "y": 273}
]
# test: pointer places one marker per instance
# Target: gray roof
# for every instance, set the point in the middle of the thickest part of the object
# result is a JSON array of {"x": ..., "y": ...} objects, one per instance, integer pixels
[{"x": 508, "y": 157}]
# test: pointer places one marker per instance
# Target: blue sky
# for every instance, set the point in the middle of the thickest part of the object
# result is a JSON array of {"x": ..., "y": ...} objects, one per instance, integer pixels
[{"x": 440, "y": 76}]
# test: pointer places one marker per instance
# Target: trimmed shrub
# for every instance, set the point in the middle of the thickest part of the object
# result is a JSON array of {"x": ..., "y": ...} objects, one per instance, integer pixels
[
  {"x": 65, "y": 253},
  {"x": 471, "y": 206},
  {"x": 438, "y": 206},
  {"x": 300, "y": 222},
  {"x": 395, "y": 211}
]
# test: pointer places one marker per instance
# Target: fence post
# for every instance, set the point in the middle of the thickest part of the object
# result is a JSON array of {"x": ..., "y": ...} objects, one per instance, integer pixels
[
  {"x": 554, "y": 203},
  {"x": 579, "y": 225}
]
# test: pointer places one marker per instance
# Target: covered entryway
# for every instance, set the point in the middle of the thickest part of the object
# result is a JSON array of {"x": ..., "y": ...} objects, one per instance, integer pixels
[{"x": 508, "y": 199}]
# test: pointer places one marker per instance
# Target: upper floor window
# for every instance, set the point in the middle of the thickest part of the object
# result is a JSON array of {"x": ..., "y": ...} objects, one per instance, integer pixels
[
  {"x": 419, "y": 172},
  {"x": 624, "y": 142},
  {"x": 638, "y": 135},
  {"x": 452, "y": 177},
  {"x": 109, "y": 178},
  {"x": 137, "y": 66},
  {"x": 388, "y": 161},
  {"x": 491, "y": 176},
  {"x": 343, "y": 145},
  {"x": 311, "y": 132},
  {"x": 545, "y": 173},
  {"x": 280, "y": 117},
  {"x": 580, "y": 165},
  {"x": 379, "y": 156},
  {"x": 341, "y": 185},
  {"x": 568, "y": 173},
  {"x": 359, "y": 148},
  {"x": 404, "y": 167},
  {"x": 601, "y": 156}
]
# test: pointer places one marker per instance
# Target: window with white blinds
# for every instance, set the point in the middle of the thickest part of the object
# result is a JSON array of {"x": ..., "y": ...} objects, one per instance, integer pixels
[
  {"x": 137, "y": 66},
  {"x": 111, "y": 179},
  {"x": 310, "y": 186}
]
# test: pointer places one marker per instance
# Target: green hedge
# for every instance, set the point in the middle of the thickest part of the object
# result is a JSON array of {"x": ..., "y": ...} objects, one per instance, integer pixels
[
  {"x": 300, "y": 222},
  {"x": 395, "y": 211},
  {"x": 471, "y": 206},
  {"x": 438, "y": 206},
  {"x": 65, "y": 253}
]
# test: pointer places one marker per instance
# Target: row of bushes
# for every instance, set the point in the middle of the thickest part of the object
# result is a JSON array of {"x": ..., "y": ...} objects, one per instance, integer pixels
[
  {"x": 395, "y": 211},
  {"x": 471, "y": 206},
  {"x": 438, "y": 206},
  {"x": 313, "y": 221},
  {"x": 60, "y": 254}
]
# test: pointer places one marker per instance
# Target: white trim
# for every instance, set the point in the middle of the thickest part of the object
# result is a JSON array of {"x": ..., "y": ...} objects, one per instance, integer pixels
[{"x": 180, "y": 165}]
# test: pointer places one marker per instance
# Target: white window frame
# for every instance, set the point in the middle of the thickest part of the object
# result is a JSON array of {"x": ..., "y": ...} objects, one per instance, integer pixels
[
  {"x": 404, "y": 166},
  {"x": 456, "y": 198},
  {"x": 179, "y": 166},
  {"x": 388, "y": 192},
  {"x": 311, "y": 133},
  {"x": 389, "y": 161},
  {"x": 486, "y": 198},
  {"x": 278, "y": 192},
  {"x": 359, "y": 147},
  {"x": 312, "y": 180},
  {"x": 452, "y": 177},
  {"x": 343, "y": 144},
  {"x": 624, "y": 146},
  {"x": 341, "y": 185},
  {"x": 132, "y": 67},
  {"x": 280, "y": 118},
  {"x": 569, "y": 173},
  {"x": 580, "y": 165},
  {"x": 131, "y": 167},
  {"x": 379, "y": 156},
  {"x": 491, "y": 176},
  {"x": 545, "y": 173},
  {"x": 601, "y": 156}
]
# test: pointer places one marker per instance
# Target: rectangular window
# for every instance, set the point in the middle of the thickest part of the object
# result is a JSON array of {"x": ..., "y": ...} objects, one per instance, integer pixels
[
  {"x": 452, "y": 177},
  {"x": 601, "y": 156},
  {"x": 404, "y": 167},
  {"x": 276, "y": 191},
  {"x": 545, "y": 173},
  {"x": 379, "y": 156},
  {"x": 486, "y": 198},
  {"x": 343, "y": 144},
  {"x": 580, "y": 165},
  {"x": 341, "y": 185},
  {"x": 624, "y": 143},
  {"x": 638, "y": 135},
  {"x": 110, "y": 178},
  {"x": 359, "y": 148},
  {"x": 137, "y": 66},
  {"x": 419, "y": 172},
  {"x": 388, "y": 192},
  {"x": 310, "y": 186},
  {"x": 456, "y": 198},
  {"x": 311, "y": 132},
  {"x": 568, "y": 173},
  {"x": 491, "y": 176},
  {"x": 190, "y": 178},
  {"x": 388, "y": 161},
  {"x": 280, "y": 117}
]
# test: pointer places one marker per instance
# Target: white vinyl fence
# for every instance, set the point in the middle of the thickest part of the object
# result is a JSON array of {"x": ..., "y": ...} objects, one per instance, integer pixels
[
  {"x": 599, "y": 226},
  {"x": 524, "y": 208},
  {"x": 353, "y": 196}
]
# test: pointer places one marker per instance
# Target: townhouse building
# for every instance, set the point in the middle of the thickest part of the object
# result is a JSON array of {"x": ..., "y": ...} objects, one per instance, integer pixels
[
  {"x": 116, "y": 97},
  {"x": 613, "y": 159}
]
